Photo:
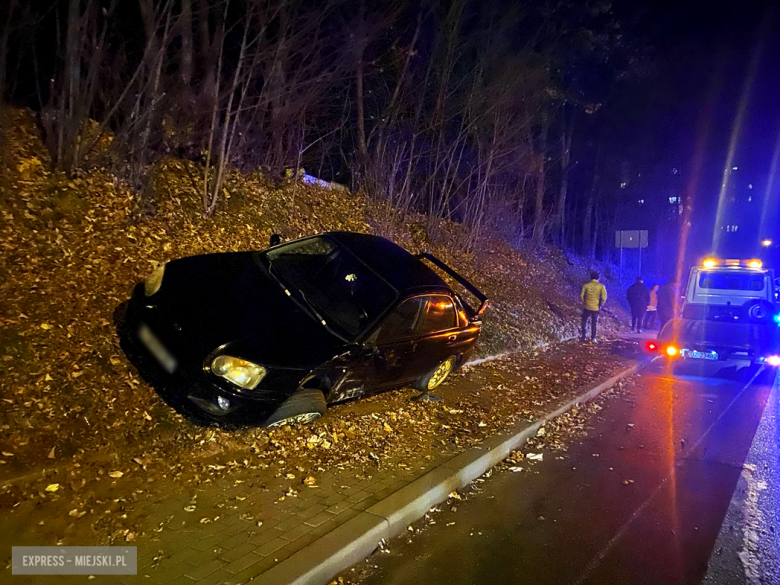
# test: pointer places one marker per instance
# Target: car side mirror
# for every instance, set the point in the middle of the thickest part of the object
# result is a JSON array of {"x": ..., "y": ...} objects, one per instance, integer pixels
[
  {"x": 275, "y": 240},
  {"x": 367, "y": 348}
]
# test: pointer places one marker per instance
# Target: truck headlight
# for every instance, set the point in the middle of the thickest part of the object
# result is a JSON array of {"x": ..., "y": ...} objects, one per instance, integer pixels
[
  {"x": 153, "y": 282},
  {"x": 240, "y": 372}
]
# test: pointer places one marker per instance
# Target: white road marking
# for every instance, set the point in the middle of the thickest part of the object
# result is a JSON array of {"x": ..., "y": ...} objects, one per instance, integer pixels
[
  {"x": 598, "y": 559},
  {"x": 751, "y": 509},
  {"x": 754, "y": 519}
]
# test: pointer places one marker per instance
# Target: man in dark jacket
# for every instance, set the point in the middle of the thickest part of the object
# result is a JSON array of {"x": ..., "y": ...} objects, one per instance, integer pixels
[
  {"x": 667, "y": 301},
  {"x": 638, "y": 296}
]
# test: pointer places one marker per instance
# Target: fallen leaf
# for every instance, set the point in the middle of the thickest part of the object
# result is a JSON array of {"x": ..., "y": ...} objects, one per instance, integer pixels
[
  {"x": 116, "y": 474},
  {"x": 52, "y": 487}
]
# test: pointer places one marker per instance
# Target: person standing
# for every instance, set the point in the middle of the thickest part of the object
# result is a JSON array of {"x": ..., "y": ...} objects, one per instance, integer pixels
[
  {"x": 638, "y": 296},
  {"x": 593, "y": 296},
  {"x": 652, "y": 308},
  {"x": 667, "y": 301}
]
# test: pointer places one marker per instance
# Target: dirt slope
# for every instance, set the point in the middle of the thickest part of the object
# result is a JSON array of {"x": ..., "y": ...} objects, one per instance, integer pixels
[{"x": 71, "y": 250}]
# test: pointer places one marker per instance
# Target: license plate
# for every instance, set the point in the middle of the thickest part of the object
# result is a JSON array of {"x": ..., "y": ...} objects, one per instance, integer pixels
[
  {"x": 156, "y": 348},
  {"x": 699, "y": 355}
]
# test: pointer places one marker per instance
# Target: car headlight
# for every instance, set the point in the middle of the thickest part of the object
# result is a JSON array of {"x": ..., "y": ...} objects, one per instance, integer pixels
[
  {"x": 240, "y": 372},
  {"x": 153, "y": 282}
]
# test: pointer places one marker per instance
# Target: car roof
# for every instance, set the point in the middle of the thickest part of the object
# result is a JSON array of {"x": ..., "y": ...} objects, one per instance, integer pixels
[{"x": 400, "y": 268}]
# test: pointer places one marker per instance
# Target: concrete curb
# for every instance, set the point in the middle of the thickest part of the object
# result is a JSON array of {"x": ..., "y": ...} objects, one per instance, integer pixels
[{"x": 357, "y": 538}]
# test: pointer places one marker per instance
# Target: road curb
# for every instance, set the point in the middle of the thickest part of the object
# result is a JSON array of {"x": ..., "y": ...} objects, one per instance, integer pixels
[{"x": 357, "y": 538}]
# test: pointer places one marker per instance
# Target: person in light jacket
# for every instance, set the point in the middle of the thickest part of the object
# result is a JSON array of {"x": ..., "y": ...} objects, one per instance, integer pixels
[
  {"x": 652, "y": 308},
  {"x": 593, "y": 296}
]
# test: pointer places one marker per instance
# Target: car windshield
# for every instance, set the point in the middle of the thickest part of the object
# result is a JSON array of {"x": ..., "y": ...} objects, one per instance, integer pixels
[
  {"x": 340, "y": 289},
  {"x": 732, "y": 281}
]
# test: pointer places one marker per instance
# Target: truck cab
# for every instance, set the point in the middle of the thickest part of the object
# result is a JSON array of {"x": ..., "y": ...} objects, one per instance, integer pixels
[{"x": 730, "y": 312}]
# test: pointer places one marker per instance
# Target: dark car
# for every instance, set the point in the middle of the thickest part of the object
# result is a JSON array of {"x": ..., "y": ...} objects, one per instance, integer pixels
[{"x": 272, "y": 337}]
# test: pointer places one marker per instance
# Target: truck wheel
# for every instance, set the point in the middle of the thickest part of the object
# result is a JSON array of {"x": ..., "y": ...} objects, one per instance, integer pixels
[
  {"x": 306, "y": 405},
  {"x": 759, "y": 311}
]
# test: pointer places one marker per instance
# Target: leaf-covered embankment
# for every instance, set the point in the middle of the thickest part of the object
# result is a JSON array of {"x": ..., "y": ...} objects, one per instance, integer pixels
[{"x": 73, "y": 247}]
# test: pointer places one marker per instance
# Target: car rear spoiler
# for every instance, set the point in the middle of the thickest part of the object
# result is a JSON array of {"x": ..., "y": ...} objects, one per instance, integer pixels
[{"x": 458, "y": 278}]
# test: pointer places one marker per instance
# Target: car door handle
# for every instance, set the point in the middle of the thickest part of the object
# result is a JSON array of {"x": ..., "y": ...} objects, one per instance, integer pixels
[{"x": 452, "y": 338}]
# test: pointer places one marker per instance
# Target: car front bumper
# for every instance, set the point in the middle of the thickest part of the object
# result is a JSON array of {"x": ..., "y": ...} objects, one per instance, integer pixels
[{"x": 186, "y": 385}]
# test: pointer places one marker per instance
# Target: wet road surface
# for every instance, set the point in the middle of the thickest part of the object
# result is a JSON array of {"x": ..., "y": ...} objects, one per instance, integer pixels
[{"x": 641, "y": 499}]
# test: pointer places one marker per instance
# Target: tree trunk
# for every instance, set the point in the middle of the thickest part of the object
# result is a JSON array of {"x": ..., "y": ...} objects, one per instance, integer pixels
[
  {"x": 587, "y": 216},
  {"x": 359, "y": 97},
  {"x": 587, "y": 226},
  {"x": 560, "y": 211},
  {"x": 541, "y": 182},
  {"x": 185, "y": 54},
  {"x": 4, "y": 34},
  {"x": 596, "y": 226}
]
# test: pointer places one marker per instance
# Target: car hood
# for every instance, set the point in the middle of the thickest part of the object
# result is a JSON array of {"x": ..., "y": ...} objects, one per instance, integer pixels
[{"x": 228, "y": 298}]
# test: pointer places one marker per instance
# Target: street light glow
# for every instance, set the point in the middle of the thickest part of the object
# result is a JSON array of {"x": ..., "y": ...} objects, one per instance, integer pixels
[{"x": 766, "y": 243}]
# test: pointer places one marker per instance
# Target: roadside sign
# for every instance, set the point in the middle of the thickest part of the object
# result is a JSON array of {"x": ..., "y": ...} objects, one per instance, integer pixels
[
  {"x": 636, "y": 239},
  {"x": 631, "y": 239}
]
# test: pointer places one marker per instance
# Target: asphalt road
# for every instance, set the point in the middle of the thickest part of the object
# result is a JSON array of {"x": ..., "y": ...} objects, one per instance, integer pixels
[{"x": 674, "y": 483}]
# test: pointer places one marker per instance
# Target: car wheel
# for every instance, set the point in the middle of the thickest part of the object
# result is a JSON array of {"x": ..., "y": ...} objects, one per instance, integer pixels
[
  {"x": 436, "y": 377},
  {"x": 759, "y": 311},
  {"x": 303, "y": 407}
]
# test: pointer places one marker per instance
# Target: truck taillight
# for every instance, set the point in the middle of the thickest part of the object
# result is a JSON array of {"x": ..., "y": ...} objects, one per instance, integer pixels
[
  {"x": 671, "y": 350},
  {"x": 773, "y": 360},
  {"x": 652, "y": 346}
]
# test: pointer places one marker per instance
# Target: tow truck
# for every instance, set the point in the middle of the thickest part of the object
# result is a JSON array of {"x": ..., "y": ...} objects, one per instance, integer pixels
[{"x": 730, "y": 313}]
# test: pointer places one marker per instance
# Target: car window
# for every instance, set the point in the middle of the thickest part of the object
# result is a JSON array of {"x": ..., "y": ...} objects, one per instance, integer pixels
[
  {"x": 731, "y": 281},
  {"x": 346, "y": 294},
  {"x": 439, "y": 314},
  {"x": 403, "y": 321},
  {"x": 463, "y": 319}
]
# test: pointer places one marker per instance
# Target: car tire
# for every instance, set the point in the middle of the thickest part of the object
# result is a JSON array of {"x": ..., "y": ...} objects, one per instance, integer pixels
[
  {"x": 306, "y": 405},
  {"x": 437, "y": 375}
]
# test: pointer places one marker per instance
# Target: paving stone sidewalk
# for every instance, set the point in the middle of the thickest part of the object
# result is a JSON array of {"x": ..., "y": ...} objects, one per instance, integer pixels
[{"x": 238, "y": 526}]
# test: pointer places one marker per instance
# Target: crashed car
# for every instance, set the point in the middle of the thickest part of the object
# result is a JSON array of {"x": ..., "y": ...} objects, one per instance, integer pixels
[{"x": 273, "y": 337}]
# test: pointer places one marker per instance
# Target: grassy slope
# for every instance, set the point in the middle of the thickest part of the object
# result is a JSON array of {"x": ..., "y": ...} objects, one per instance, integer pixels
[{"x": 70, "y": 254}]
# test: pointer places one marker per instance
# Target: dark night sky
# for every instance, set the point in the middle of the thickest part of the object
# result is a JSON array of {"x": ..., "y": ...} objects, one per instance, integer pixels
[
  {"x": 728, "y": 55},
  {"x": 709, "y": 48}
]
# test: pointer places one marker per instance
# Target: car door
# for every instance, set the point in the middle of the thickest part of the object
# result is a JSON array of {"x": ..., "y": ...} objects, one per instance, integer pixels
[
  {"x": 396, "y": 342},
  {"x": 439, "y": 336}
]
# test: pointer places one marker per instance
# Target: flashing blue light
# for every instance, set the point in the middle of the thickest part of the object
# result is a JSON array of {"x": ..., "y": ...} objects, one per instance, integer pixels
[{"x": 777, "y": 318}]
